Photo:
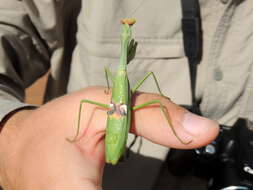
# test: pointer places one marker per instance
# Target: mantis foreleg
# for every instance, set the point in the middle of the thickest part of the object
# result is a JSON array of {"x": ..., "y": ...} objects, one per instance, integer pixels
[
  {"x": 131, "y": 50},
  {"x": 80, "y": 114},
  {"x": 139, "y": 83},
  {"x": 165, "y": 113},
  {"x": 108, "y": 75}
]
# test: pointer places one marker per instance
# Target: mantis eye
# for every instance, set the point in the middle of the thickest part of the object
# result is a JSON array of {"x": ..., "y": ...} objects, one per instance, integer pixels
[{"x": 123, "y": 110}]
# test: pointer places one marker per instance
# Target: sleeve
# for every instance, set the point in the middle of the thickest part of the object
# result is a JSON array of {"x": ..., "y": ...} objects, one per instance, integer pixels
[{"x": 24, "y": 55}]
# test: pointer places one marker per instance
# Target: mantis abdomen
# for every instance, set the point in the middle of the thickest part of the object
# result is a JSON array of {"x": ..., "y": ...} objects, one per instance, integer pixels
[{"x": 116, "y": 137}]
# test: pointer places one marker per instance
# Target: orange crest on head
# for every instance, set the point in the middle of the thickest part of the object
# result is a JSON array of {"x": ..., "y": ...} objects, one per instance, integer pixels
[{"x": 129, "y": 21}]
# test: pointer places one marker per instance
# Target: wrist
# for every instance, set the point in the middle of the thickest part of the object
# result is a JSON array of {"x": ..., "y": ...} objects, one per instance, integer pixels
[
  {"x": 15, "y": 117},
  {"x": 9, "y": 144}
]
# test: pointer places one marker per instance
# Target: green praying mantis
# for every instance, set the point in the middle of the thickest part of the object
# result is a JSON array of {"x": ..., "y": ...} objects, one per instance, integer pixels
[{"x": 120, "y": 108}]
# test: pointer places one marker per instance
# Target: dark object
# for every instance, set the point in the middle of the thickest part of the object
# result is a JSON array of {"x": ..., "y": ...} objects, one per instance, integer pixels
[
  {"x": 233, "y": 166},
  {"x": 224, "y": 164},
  {"x": 192, "y": 36}
]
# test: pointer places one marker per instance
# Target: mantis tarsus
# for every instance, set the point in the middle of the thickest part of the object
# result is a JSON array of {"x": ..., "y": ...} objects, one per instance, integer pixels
[{"x": 120, "y": 109}]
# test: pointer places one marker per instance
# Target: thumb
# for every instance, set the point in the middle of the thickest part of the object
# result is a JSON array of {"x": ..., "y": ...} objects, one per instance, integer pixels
[{"x": 176, "y": 127}]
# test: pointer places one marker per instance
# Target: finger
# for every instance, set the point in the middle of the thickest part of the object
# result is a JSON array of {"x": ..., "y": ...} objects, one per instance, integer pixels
[{"x": 150, "y": 123}]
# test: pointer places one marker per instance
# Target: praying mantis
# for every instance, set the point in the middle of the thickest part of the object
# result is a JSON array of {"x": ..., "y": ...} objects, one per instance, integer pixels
[{"x": 120, "y": 108}]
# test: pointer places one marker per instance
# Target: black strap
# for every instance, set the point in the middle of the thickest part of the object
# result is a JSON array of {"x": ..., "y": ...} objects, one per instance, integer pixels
[{"x": 192, "y": 36}]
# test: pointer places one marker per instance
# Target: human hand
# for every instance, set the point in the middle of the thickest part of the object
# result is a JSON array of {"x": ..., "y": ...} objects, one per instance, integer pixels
[{"x": 35, "y": 153}]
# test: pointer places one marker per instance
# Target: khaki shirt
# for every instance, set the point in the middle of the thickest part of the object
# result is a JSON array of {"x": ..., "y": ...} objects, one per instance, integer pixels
[{"x": 36, "y": 34}]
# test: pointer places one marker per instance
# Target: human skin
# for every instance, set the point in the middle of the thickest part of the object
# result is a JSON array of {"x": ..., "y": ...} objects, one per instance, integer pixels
[{"x": 36, "y": 155}]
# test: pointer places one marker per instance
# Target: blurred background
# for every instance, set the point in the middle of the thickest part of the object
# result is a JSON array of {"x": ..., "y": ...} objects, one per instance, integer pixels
[{"x": 35, "y": 93}]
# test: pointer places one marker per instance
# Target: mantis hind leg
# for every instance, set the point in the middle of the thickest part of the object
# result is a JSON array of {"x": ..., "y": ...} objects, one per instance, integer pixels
[
  {"x": 80, "y": 114},
  {"x": 140, "y": 82},
  {"x": 166, "y": 115},
  {"x": 132, "y": 144},
  {"x": 108, "y": 75}
]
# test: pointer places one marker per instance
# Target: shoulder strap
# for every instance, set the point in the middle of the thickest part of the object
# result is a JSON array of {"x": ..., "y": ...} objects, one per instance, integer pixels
[{"x": 192, "y": 36}]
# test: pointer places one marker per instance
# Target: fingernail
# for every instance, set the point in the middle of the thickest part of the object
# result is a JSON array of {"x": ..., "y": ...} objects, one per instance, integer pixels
[{"x": 195, "y": 124}]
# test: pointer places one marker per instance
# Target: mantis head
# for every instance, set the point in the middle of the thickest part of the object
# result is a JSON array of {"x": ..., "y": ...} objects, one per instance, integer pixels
[{"x": 126, "y": 36}]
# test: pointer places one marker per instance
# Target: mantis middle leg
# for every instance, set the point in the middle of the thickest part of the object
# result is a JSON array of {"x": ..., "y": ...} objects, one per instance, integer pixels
[{"x": 139, "y": 83}]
